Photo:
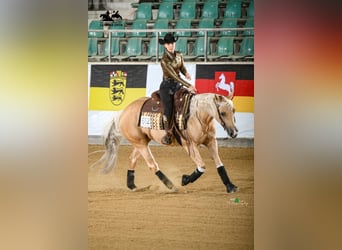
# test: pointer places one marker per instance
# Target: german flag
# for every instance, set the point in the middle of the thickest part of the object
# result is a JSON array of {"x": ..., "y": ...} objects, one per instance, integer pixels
[
  {"x": 113, "y": 87},
  {"x": 222, "y": 78}
]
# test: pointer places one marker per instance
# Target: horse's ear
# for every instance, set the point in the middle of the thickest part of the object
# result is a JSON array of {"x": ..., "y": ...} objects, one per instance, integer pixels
[{"x": 231, "y": 95}]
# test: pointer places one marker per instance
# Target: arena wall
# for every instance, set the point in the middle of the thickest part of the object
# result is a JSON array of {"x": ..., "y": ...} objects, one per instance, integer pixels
[{"x": 144, "y": 78}]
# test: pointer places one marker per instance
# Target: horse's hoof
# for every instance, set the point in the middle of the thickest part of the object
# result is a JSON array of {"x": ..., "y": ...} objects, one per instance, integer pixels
[
  {"x": 132, "y": 187},
  {"x": 231, "y": 188},
  {"x": 185, "y": 180}
]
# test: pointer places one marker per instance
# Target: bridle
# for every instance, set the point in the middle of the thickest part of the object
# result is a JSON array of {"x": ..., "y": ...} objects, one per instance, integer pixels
[{"x": 219, "y": 115}]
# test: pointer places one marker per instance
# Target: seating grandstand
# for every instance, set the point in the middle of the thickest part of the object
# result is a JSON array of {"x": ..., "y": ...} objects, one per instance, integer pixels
[{"x": 207, "y": 30}]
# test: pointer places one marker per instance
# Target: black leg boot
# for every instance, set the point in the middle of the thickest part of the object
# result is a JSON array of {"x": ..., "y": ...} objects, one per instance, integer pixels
[
  {"x": 130, "y": 179},
  {"x": 186, "y": 179},
  {"x": 164, "y": 179},
  {"x": 231, "y": 188}
]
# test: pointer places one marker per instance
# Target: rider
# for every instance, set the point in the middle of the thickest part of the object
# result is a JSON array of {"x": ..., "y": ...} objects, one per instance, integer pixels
[{"x": 172, "y": 63}]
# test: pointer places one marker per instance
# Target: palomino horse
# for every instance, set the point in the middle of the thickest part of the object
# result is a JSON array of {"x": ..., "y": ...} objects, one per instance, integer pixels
[{"x": 204, "y": 108}]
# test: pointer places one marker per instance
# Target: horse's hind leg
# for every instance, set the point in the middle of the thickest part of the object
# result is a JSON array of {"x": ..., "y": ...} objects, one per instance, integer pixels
[
  {"x": 130, "y": 172},
  {"x": 152, "y": 164}
]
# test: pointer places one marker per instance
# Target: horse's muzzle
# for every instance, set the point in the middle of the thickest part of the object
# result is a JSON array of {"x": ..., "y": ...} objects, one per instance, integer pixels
[
  {"x": 232, "y": 132},
  {"x": 234, "y": 135}
]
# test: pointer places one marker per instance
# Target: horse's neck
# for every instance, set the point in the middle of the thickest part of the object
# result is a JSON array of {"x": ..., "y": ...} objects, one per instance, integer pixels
[{"x": 203, "y": 106}]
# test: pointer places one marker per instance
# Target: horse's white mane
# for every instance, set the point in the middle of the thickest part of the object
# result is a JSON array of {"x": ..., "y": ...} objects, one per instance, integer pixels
[
  {"x": 203, "y": 102},
  {"x": 206, "y": 102}
]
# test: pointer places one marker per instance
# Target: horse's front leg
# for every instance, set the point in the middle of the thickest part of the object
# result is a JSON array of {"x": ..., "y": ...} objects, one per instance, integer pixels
[
  {"x": 192, "y": 150},
  {"x": 213, "y": 150}
]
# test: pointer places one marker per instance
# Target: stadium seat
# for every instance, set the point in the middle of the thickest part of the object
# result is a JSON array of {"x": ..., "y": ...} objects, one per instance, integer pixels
[
  {"x": 210, "y": 10},
  {"x": 117, "y": 25},
  {"x": 249, "y": 24},
  {"x": 144, "y": 11},
  {"x": 205, "y": 23},
  {"x": 161, "y": 24},
  {"x": 233, "y": 9},
  {"x": 247, "y": 47},
  {"x": 225, "y": 46},
  {"x": 114, "y": 47},
  {"x": 152, "y": 52},
  {"x": 199, "y": 47},
  {"x": 228, "y": 23},
  {"x": 165, "y": 11},
  {"x": 92, "y": 46},
  {"x": 134, "y": 46},
  {"x": 183, "y": 24},
  {"x": 188, "y": 10},
  {"x": 138, "y": 24},
  {"x": 182, "y": 45},
  {"x": 250, "y": 9},
  {"x": 95, "y": 25}
]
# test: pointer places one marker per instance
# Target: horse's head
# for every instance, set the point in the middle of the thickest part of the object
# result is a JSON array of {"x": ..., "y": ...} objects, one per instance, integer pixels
[{"x": 226, "y": 114}]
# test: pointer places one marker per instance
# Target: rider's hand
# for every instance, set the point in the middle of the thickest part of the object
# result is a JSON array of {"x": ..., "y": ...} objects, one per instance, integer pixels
[{"x": 192, "y": 89}]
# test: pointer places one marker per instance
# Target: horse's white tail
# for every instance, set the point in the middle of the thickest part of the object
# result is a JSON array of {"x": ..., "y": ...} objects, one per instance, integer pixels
[{"x": 112, "y": 140}]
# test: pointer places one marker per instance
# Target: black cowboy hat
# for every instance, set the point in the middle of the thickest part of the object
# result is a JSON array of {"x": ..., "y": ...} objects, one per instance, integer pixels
[{"x": 168, "y": 38}]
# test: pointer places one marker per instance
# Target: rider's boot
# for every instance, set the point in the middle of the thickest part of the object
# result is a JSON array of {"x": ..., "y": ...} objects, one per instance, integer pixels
[{"x": 167, "y": 139}]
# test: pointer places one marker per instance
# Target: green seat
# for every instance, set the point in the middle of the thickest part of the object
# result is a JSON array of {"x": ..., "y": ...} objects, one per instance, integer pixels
[
  {"x": 92, "y": 46},
  {"x": 250, "y": 9},
  {"x": 152, "y": 50},
  {"x": 144, "y": 11},
  {"x": 225, "y": 46},
  {"x": 161, "y": 24},
  {"x": 249, "y": 24},
  {"x": 233, "y": 9},
  {"x": 182, "y": 45},
  {"x": 228, "y": 23},
  {"x": 138, "y": 24},
  {"x": 205, "y": 23},
  {"x": 199, "y": 47},
  {"x": 117, "y": 25},
  {"x": 188, "y": 11},
  {"x": 165, "y": 11},
  {"x": 247, "y": 46},
  {"x": 134, "y": 46},
  {"x": 114, "y": 47},
  {"x": 183, "y": 24},
  {"x": 210, "y": 10},
  {"x": 95, "y": 25}
]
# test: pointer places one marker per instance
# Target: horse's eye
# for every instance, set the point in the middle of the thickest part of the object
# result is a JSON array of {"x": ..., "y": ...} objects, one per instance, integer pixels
[{"x": 223, "y": 113}]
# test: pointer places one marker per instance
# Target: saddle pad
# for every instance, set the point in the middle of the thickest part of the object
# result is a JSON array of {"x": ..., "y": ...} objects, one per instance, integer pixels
[
  {"x": 151, "y": 120},
  {"x": 151, "y": 115}
]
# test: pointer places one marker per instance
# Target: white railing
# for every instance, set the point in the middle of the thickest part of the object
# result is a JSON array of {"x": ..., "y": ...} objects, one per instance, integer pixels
[{"x": 157, "y": 31}]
